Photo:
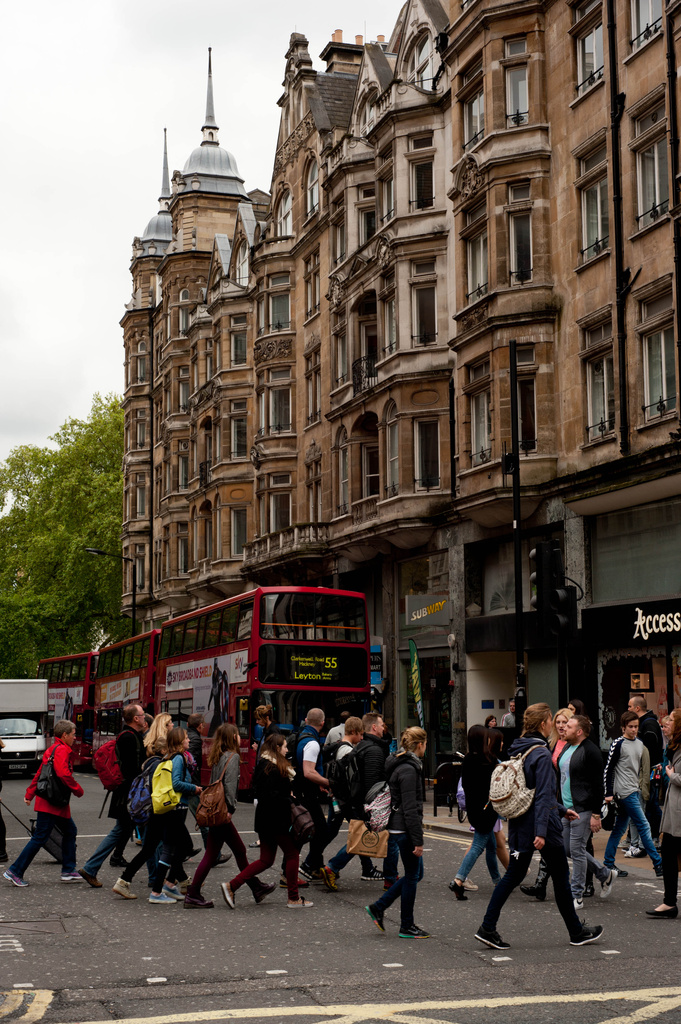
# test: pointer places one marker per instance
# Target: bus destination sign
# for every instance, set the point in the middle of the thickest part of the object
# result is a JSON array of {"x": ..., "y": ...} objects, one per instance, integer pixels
[{"x": 291, "y": 664}]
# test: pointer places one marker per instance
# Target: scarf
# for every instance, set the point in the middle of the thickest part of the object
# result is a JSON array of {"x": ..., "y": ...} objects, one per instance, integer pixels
[{"x": 268, "y": 757}]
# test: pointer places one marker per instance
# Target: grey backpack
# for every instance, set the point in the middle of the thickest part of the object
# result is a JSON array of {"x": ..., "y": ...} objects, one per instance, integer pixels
[{"x": 508, "y": 791}]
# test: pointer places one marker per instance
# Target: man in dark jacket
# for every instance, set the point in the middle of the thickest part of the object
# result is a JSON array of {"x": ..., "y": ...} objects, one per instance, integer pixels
[
  {"x": 130, "y": 754},
  {"x": 581, "y": 787},
  {"x": 650, "y": 734},
  {"x": 539, "y": 828}
]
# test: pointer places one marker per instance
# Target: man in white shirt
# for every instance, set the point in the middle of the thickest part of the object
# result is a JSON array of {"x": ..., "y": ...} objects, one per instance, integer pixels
[
  {"x": 308, "y": 763},
  {"x": 508, "y": 721},
  {"x": 338, "y": 731}
]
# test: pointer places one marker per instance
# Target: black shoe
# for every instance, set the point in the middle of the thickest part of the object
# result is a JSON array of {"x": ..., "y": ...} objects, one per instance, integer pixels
[
  {"x": 376, "y": 916},
  {"x": 492, "y": 939},
  {"x": 586, "y": 935},
  {"x": 658, "y": 871},
  {"x": 118, "y": 862},
  {"x": 264, "y": 890},
  {"x": 458, "y": 889},
  {"x": 621, "y": 873},
  {"x": 670, "y": 912},
  {"x": 413, "y": 932},
  {"x": 589, "y": 889},
  {"x": 223, "y": 858},
  {"x": 3, "y": 857},
  {"x": 538, "y": 891}
]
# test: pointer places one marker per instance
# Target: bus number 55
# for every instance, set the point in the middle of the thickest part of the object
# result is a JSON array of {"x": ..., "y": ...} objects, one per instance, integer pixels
[{"x": 330, "y": 662}]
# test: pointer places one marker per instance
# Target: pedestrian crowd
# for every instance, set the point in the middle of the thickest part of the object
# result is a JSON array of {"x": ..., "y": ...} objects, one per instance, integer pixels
[{"x": 568, "y": 797}]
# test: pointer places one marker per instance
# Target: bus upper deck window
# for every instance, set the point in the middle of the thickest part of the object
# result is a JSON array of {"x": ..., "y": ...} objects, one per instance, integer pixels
[{"x": 245, "y": 620}]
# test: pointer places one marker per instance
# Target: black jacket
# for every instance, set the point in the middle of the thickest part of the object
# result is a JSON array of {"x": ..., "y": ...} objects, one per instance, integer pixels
[
  {"x": 405, "y": 777},
  {"x": 650, "y": 734},
  {"x": 273, "y": 793},
  {"x": 544, "y": 816},
  {"x": 196, "y": 750},
  {"x": 586, "y": 777},
  {"x": 476, "y": 774},
  {"x": 131, "y": 756},
  {"x": 372, "y": 754}
]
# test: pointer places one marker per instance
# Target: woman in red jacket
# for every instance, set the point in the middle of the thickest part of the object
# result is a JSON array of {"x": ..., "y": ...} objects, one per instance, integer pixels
[{"x": 50, "y": 814}]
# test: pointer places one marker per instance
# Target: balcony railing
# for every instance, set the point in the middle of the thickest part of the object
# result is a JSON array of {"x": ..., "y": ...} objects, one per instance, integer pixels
[
  {"x": 391, "y": 490},
  {"x": 596, "y": 247},
  {"x": 651, "y": 215},
  {"x": 594, "y": 431},
  {"x": 473, "y": 139},
  {"x": 595, "y": 76},
  {"x": 427, "y": 483},
  {"x": 422, "y": 203},
  {"x": 477, "y": 292},
  {"x": 204, "y": 473},
  {"x": 364, "y": 374},
  {"x": 648, "y": 32},
  {"x": 659, "y": 408},
  {"x": 481, "y": 456},
  {"x": 364, "y": 510},
  {"x": 314, "y": 417},
  {"x": 427, "y": 338},
  {"x": 517, "y": 118},
  {"x": 521, "y": 275},
  {"x": 286, "y": 541}
]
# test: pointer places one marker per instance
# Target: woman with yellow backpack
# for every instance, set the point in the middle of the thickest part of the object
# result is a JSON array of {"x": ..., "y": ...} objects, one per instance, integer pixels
[{"x": 172, "y": 786}]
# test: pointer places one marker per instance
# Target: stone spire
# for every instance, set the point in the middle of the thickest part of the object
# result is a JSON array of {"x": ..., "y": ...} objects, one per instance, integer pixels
[
  {"x": 165, "y": 184},
  {"x": 210, "y": 128}
]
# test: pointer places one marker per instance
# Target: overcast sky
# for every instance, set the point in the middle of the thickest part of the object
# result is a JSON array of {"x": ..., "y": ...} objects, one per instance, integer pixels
[{"x": 87, "y": 88}]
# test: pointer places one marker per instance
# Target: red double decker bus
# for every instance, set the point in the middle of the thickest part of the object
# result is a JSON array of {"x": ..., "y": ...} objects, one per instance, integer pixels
[
  {"x": 293, "y": 647},
  {"x": 71, "y": 694},
  {"x": 126, "y": 672}
]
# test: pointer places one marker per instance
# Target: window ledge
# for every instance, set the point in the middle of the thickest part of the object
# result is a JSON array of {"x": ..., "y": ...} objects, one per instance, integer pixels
[
  {"x": 664, "y": 219},
  {"x": 592, "y": 259},
  {"x": 607, "y": 438},
  {"x": 600, "y": 84},
  {"x": 668, "y": 417},
  {"x": 643, "y": 47}
]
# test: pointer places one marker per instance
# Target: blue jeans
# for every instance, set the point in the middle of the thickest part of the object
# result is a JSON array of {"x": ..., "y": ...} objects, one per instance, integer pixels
[
  {"x": 630, "y": 807},
  {"x": 343, "y": 858},
  {"x": 481, "y": 841},
  {"x": 44, "y": 824},
  {"x": 405, "y": 886},
  {"x": 121, "y": 832}
]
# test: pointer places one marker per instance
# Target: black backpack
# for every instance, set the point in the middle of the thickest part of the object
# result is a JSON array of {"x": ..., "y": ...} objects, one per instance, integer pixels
[{"x": 346, "y": 783}]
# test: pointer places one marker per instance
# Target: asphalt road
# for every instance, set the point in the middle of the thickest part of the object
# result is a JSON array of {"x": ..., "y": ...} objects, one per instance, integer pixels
[{"x": 69, "y": 953}]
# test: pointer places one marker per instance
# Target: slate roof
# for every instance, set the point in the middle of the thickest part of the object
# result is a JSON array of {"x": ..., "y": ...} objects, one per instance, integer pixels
[
  {"x": 331, "y": 100},
  {"x": 380, "y": 64},
  {"x": 436, "y": 13}
]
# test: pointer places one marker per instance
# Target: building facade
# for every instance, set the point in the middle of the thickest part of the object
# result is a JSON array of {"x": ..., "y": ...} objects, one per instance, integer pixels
[{"x": 318, "y": 377}]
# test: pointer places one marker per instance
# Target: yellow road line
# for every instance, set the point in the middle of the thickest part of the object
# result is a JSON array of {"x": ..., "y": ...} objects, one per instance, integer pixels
[
  {"x": 657, "y": 1000},
  {"x": 460, "y": 841},
  {"x": 36, "y": 1000},
  {"x": 11, "y": 1001}
]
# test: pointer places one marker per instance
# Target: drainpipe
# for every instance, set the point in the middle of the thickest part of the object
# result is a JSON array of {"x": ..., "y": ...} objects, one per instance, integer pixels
[
  {"x": 617, "y": 100},
  {"x": 452, "y": 436},
  {"x": 674, "y": 167}
]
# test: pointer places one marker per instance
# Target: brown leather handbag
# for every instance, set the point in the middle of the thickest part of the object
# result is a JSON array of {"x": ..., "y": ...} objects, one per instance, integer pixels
[{"x": 213, "y": 809}]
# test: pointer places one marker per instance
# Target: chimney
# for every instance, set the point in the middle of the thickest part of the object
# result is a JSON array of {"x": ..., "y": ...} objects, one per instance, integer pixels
[
  {"x": 337, "y": 36},
  {"x": 342, "y": 58},
  {"x": 359, "y": 40},
  {"x": 380, "y": 39}
]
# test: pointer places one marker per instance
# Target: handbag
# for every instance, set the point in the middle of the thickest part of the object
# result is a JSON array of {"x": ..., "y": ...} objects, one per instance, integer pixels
[
  {"x": 213, "y": 809},
  {"x": 50, "y": 787},
  {"x": 365, "y": 842},
  {"x": 302, "y": 824}
]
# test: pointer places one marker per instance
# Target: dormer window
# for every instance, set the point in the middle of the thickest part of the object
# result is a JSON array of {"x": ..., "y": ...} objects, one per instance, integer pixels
[
  {"x": 242, "y": 264},
  {"x": 367, "y": 117},
  {"x": 312, "y": 189},
  {"x": 284, "y": 219},
  {"x": 421, "y": 62}
]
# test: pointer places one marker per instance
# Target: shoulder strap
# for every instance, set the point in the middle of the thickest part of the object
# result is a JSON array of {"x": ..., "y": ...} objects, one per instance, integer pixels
[{"x": 537, "y": 746}]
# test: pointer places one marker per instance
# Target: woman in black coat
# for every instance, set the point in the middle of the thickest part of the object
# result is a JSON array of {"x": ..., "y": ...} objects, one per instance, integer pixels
[
  {"x": 476, "y": 774},
  {"x": 271, "y": 784}
]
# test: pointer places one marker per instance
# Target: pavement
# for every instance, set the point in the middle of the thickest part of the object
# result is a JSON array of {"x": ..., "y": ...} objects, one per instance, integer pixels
[{"x": 70, "y": 954}]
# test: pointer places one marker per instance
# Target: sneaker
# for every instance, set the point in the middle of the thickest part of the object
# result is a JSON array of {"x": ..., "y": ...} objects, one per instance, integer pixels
[
  {"x": 172, "y": 890},
  {"x": 372, "y": 876},
  {"x": 192, "y": 854},
  {"x": 264, "y": 890},
  {"x": 198, "y": 903},
  {"x": 587, "y": 935},
  {"x": 90, "y": 879},
  {"x": 183, "y": 886},
  {"x": 472, "y": 887},
  {"x": 118, "y": 862},
  {"x": 413, "y": 932},
  {"x": 227, "y": 894},
  {"x": 588, "y": 891},
  {"x": 606, "y": 886},
  {"x": 578, "y": 904},
  {"x": 389, "y": 882},
  {"x": 491, "y": 939},
  {"x": 621, "y": 873},
  {"x": 224, "y": 858},
  {"x": 658, "y": 870},
  {"x": 376, "y": 916},
  {"x": 302, "y": 883},
  {"x": 329, "y": 877},
  {"x": 123, "y": 889},
  {"x": 160, "y": 897},
  {"x": 312, "y": 875},
  {"x": 300, "y": 902},
  {"x": 11, "y": 876},
  {"x": 71, "y": 876},
  {"x": 635, "y": 851}
]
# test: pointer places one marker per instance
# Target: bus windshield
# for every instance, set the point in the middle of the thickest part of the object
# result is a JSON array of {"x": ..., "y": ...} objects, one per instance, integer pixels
[{"x": 309, "y": 616}]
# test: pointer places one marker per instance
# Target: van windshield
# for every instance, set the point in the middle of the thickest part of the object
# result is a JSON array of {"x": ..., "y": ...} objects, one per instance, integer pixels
[{"x": 19, "y": 727}]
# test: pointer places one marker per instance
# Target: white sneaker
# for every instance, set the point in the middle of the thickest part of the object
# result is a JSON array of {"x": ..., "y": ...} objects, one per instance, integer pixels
[
  {"x": 578, "y": 904},
  {"x": 123, "y": 889},
  {"x": 301, "y": 902},
  {"x": 606, "y": 886}
]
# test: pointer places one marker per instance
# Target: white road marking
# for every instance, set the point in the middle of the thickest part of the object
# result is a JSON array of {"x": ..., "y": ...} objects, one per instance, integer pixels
[
  {"x": 393, "y": 965},
  {"x": 498, "y": 959},
  {"x": 610, "y": 952},
  {"x": 276, "y": 972},
  {"x": 156, "y": 981}
]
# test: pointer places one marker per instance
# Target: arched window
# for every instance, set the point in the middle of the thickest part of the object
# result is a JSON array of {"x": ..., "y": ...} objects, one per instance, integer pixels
[
  {"x": 284, "y": 217},
  {"x": 343, "y": 474},
  {"x": 367, "y": 116},
  {"x": 184, "y": 312},
  {"x": 312, "y": 188},
  {"x": 242, "y": 264},
  {"x": 421, "y": 62},
  {"x": 392, "y": 454}
]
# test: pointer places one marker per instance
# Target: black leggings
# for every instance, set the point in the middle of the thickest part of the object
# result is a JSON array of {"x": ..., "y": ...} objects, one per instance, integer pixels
[
  {"x": 152, "y": 837},
  {"x": 176, "y": 845},
  {"x": 3, "y": 834},
  {"x": 670, "y": 848},
  {"x": 557, "y": 867}
]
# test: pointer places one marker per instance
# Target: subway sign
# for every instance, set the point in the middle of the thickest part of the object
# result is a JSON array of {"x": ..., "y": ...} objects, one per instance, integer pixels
[{"x": 425, "y": 610}]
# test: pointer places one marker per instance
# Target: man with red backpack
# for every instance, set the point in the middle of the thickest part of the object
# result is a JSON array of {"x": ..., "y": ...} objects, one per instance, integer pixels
[{"x": 130, "y": 755}]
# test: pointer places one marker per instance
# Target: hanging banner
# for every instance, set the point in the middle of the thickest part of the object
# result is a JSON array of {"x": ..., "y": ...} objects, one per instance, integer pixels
[{"x": 416, "y": 682}]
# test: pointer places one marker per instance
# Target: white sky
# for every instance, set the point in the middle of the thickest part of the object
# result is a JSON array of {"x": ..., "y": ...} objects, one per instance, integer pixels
[{"x": 87, "y": 87}]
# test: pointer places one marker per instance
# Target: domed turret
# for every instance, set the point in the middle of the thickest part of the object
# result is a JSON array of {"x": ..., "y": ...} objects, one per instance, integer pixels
[{"x": 209, "y": 167}]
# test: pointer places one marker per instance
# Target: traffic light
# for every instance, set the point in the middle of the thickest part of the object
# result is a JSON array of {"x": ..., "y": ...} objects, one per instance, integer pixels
[
  {"x": 563, "y": 604},
  {"x": 540, "y": 582}
]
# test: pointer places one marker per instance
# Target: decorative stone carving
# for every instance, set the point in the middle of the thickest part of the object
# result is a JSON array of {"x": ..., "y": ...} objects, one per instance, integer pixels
[
  {"x": 273, "y": 348},
  {"x": 336, "y": 295},
  {"x": 257, "y": 454},
  {"x": 313, "y": 452},
  {"x": 385, "y": 252},
  {"x": 296, "y": 139},
  {"x": 312, "y": 342},
  {"x": 470, "y": 178},
  {"x": 205, "y": 393},
  {"x": 474, "y": 318}
]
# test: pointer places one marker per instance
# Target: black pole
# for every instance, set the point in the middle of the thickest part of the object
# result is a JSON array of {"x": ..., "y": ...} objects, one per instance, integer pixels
[
  {"x": 134, "y": 595},
  {"x": 452, "y": 438},
  {"x": 520, "y": 691}
]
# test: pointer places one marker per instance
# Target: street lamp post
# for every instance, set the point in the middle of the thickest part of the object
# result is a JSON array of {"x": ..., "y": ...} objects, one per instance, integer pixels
[{"x": 123, "y": 558}]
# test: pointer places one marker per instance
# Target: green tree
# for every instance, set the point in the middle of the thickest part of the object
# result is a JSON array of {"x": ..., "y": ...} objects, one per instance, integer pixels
[{"x": 56, "y": 501}]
